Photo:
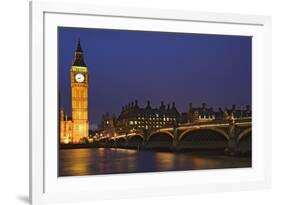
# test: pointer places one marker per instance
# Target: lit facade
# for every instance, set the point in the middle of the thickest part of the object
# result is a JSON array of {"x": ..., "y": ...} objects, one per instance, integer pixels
[
  {"x": 200, "y": 114},
  {"x": 107, "y": 126},
  {"x": 133, "y": 118},
  {"x": 204, "y": 113},
  {"x": 77, "y": 129},
  {"x": 79, "y": 96},
  {"x": 65, "y": 129}
]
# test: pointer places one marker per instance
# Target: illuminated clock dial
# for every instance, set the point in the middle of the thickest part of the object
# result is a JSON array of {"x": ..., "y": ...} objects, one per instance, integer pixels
[{"x": 79, "y": 78}]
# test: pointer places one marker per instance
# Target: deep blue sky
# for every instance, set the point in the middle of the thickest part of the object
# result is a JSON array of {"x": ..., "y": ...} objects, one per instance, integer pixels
[{"x": 127, "y": 65}]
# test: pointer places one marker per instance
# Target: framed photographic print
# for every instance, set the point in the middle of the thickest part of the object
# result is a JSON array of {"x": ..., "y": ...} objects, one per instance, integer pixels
[{"x": 129, "y": 102}]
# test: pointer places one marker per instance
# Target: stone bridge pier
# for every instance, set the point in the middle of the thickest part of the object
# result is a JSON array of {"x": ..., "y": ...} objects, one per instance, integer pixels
[
  {"x": 175, "y": 139},
  {"x": 232, "y": 141}
]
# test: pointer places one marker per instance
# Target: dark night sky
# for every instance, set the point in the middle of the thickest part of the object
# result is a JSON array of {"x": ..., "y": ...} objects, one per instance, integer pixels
[{"x": 128, "y": 65}]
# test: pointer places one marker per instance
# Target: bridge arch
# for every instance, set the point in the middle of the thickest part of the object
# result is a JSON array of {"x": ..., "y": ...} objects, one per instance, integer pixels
[
  {"x": 120, "y": 142},
  {"x": 120, "y": 138},
  {"x": 136, "y": 135},
  {"x": 160, "y": 139},
  {"x": 103, "y": 140},
  {"x": 244, "y": 133},
  {"x": 160, "y": 132},
  {"x": 203, "y": 138},
  {"x": 110, "y": 143},
  {"x": 244, "y": 142},
  {"x": 220, "y": 131},
  {"x": 135, "y": 141}
]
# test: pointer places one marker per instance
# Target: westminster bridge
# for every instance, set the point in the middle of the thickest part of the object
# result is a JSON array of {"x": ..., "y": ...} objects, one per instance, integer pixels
[{"x": 233, "y": 135}]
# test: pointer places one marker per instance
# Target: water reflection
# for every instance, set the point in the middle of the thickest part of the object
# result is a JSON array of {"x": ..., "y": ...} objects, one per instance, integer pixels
[
  {"x": 166, "y": 161},
  {"x": 78, "y": 162},
  {"x": 75, "y": 161}
]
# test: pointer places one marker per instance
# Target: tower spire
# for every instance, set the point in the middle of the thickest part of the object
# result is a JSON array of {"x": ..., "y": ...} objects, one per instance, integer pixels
[
  {"x": 79, "y": 48},
  {"x": 79, "y": 56}
]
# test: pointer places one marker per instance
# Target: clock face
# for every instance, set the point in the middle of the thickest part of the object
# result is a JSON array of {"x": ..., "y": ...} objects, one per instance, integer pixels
[{"x": 79, "y": 78}]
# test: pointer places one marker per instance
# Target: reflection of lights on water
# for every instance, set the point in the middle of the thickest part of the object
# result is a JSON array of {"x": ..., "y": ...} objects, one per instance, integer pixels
[
  {"x": 198, "y": 162},
  {"x": 164, "y": 160},
  {"x": 203, "y": 163},
  {"x": 101, "y": 151},
  {"x": 110, "y": 160},
  {"x": 120, "y": 150},
  {"x": 80, "y": 161}
]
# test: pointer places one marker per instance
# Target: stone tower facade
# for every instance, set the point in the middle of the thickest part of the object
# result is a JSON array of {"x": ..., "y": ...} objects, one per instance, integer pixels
[{"x": 79, "y": 96}]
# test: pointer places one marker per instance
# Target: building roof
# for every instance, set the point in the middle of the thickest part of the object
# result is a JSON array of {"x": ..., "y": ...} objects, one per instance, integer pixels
[
  {"x": 79, "y": 48},
  {"x": 79, "y": 56},
  {"x": 133, "y": 110}
]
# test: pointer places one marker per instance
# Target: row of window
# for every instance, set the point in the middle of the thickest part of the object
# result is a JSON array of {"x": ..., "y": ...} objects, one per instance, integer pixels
[
  {"x": 147, "y": 126},
  {"x": 148, "y": 122},
  {"x": 204, "y": 117},
  {"x": 157, "y": 118}
]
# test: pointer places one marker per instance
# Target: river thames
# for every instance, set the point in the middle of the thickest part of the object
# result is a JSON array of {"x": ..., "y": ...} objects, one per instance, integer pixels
[{"x": 93, "y": 161}]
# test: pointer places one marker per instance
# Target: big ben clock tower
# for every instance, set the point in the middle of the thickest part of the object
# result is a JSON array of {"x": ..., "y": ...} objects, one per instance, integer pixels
[{"x": 79, "y": 95}]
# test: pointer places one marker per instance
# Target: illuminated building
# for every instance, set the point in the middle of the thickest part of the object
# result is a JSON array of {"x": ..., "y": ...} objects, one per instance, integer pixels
[
  {"x": 107, "y": 126},
  {"x": 79, "y": 94},
  {"x": 203, "y": 114},
  {"x": 200, "y": 114},
  {"x": 238, "y": 113},
  {"x": 133, "y": 118},
  {"x": 76, "y": 129},
  {"x": 65, "y": 129}
]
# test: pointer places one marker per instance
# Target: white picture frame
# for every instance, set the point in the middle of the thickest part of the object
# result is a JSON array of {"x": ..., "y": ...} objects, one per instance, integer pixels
[{"x": 46, "y": 187}]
